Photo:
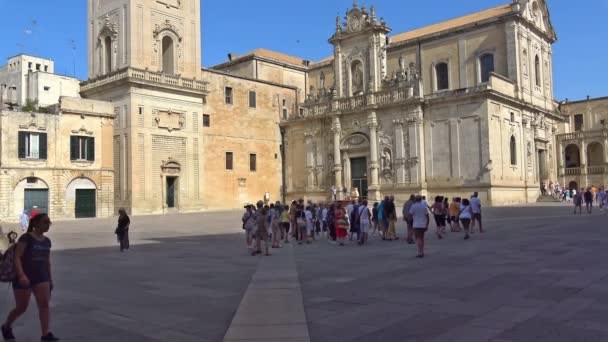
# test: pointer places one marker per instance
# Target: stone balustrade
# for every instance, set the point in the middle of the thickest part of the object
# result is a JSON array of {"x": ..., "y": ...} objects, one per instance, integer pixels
[
  {"x": 600, "y": 133},
  {"x": 360, "y": 102},
  {"x": 146, "y": 76},
  {"x": 596, "y": 170}
]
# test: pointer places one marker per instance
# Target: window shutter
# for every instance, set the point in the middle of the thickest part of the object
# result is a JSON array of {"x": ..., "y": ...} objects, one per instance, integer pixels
[
  {"x": 91, "y": 149},
  {"x": 22, "y": 144},
  {"x": 42, "y": 147},
  {"x": 73, "y": 148}
]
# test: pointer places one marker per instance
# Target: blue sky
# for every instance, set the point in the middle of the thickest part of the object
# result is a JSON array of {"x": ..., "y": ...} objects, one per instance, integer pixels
[{"x": 51, "y": 28}]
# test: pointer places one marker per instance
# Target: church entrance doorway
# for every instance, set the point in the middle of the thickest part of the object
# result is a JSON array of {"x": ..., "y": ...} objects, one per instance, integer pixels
[
  {"x": 171, "y": 183},
  {"x": 543, "y": 171},
  {"x": 358, "y": 167}
]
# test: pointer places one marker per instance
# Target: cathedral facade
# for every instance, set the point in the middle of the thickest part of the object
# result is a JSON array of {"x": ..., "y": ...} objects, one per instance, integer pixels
[{"x": 461, "y": 106}]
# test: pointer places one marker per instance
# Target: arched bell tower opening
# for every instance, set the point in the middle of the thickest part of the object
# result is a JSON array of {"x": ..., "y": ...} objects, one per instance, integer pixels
[
  {"x": 107, "y": 55},
  {"x": 168, "y": 55}
]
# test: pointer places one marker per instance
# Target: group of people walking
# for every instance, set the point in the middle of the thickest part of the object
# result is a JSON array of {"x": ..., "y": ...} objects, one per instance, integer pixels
[
  {"x": 588, "y": 197},
  {"x": 271, "y": 226}
]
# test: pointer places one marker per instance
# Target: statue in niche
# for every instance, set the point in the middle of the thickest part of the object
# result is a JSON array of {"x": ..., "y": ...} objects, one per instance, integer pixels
[
  {"x": 322, "y": 80},
  {"x": 357, "y": 80},
  {"x": 386, "y": 160},
  {"x": 401, "y": 63},
  {"x": 330, "y": 160}
]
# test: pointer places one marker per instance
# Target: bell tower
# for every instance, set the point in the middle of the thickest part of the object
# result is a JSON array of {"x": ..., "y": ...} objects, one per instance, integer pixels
[{"x": 155, "y": 35}]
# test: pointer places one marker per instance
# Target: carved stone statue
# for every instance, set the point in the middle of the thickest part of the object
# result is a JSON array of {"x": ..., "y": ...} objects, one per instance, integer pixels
[
  {"x": 386, "y": 160},
  {"x": 401, "y": 63},
  {"x": 322, "y": 80}
]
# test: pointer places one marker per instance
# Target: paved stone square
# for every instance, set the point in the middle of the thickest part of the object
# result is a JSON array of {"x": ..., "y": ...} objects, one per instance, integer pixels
[{"x": 538, "y": 274}]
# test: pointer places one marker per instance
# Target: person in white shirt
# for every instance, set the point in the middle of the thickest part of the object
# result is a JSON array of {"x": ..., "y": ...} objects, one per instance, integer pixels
[
  {"x": 309, "y": 224},
  {"x": 365, "y": 222},
  {"x": 476, "y": 211},
  {"x": 465, "y": 216},
  {"x": 420, "y": 217},
  {"x": 324, "y": 211}
]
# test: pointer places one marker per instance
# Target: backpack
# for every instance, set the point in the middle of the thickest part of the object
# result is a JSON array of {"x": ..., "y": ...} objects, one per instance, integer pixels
[{"x": 7, "y": 265}]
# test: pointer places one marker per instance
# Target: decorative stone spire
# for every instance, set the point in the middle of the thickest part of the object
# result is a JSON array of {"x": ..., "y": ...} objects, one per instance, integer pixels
[
  {"x": 355, "y": 4},
  {"x": 373, "y": 13},
  {"x": 338, "y": 24}
]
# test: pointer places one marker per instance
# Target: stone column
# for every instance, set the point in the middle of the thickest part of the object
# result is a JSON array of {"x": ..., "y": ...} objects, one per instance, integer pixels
[
  {"x": 416, "y": 133},
  {"x": 310, "y": 160},
  {"x": 399, "y": 164},
  {"x": 374, "y": 187},
  {"x": 346, "y": 169},
  {"x": 337, "y": 167}
]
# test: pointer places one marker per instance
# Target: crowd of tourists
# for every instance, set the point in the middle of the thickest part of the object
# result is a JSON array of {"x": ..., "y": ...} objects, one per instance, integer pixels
[{"x": 355, "y": 220}]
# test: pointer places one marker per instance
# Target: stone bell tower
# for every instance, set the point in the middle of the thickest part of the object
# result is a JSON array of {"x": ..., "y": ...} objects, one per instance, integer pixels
[
  {"x": 157, "y": 35},
  {"x": 359, "y": 51}
]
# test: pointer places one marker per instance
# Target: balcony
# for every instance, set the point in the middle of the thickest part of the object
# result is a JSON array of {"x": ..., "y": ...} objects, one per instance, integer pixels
[
  {"x": 577, "y": 136},
  {"x": 596, "y": 170},
  {"x": 577, "y": 171},
  {"x": 573, "y": 171},
  {"x": 147, "y": 77}
]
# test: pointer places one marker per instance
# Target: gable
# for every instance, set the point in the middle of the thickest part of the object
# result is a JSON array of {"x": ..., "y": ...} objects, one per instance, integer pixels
[{"x": 537, "y": 12}]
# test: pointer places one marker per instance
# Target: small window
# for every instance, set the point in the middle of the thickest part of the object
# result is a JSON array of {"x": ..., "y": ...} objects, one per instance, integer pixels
[
  {"x": 578, "y": 122},
  {"x": 301, "y": 111},
  {"x": 37, "y": 66},
  {"x": 32, "y": 145},
  {"x": 32, "y": 180},
  {"x": 441, "y": 71},
  {"x": 513, "y": 149},
  {"x": 229, "y": 162},
  {"x": 253, "y": 162},
  {"x": 46, "y": 68},
  {"x": 252, "y": 99},
  {"x": 486, "y": 66},
  {"x": 29, "y": 65},
  {"x": 512, "y": 117},
  {"x": 206, "y": 120},
  {"x": 537, "y": 70},
  {"x": 82, "y": 148},
  {"x": 285, "y": 113},
  {"x": 228, "y": 94},
  {"x": 140, "y": 110},
  {"x": 47, "y": 88}
]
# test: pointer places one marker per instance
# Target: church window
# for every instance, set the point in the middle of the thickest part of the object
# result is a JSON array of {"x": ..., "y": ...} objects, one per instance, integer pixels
[
  {"x": 252, "y": 99},
  {"x": 228, "y": 95},
  {"x": 46, "y": 68},
  {"x": 441, "y": 73},
  {"x": 108, "y": 54},
  {"x": 578, "y": 122},
  {"x": 229, "y": 164},
  {"x": 206, "y": 120},
  {"x": 486, "y": 66},
  {"x": 253, "y": 162},
  {"x": 513, "y": 149},
  {"x": 537, "y": 70},
  {"x": 512, "y": 117},
  {"x": 168, "y": 56}
]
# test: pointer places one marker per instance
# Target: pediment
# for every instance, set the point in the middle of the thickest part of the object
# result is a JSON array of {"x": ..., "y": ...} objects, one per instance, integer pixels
[{"x": 537, "y": 12}]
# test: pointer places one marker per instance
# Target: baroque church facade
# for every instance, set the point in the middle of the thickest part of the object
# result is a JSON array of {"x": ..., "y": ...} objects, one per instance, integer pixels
[{"x": 459, "y": 106}]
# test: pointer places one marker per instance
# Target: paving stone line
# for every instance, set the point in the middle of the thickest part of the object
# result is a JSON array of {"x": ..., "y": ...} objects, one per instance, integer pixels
[{"x": 272, "y": 308}]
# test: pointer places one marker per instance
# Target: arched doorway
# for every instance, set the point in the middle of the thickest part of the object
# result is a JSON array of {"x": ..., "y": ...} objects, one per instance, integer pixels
[
  {"x": 171, "y": 170},
  {"x": 573, "y": 185},
  {"x": 32, "y": 192},
  {"x": 572, "y": 156},
  {"x": 355, "y": 153},
  {"x": 81, "y": 197}
]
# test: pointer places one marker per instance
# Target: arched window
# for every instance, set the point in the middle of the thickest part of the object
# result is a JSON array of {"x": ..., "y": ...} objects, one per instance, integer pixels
[
  {"x": 537, "y": 70},
  {"x": 486, "y": 66},
  {"x": 513, "y": 148},
  {"x": 441, "y": 74},
  {"x": 168, "y": 60},
  {"x": 107, "y": 54}
]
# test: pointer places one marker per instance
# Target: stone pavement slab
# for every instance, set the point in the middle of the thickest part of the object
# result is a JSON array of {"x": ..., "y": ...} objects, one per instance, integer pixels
[{"x": 272, "y": 307}]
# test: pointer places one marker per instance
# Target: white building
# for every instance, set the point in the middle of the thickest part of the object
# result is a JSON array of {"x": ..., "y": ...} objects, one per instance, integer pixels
[{"x": 27, "y": 77}]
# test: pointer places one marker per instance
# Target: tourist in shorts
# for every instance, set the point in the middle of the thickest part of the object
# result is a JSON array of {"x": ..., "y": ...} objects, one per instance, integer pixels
[
  {"x": 454, "y": 211},
  {"x": 465, "y": 216},
  {"x": 365, "y": 221},
  {"x": 439, "y": 212},
  {"x": 261, "y": 232},
  {"x": 33, "y": 276},
  {"x": 476, "y": 210},
  {"x": 249, "y": 225},
  {"x": 420, "y": 217},
  {"x": 407, "y": 217}
]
